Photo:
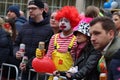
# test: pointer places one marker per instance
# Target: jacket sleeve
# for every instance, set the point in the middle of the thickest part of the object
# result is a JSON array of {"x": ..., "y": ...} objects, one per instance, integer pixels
[
  {"x": 114, "y": 67},
  {"x": 90, "y": 64},
  {"x": 4, "y": 46},
  {"x": 17, "y": 43},
  {"x": 3, "y": 38}
]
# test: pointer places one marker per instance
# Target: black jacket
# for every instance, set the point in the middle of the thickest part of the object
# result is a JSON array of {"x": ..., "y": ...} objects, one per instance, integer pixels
[
  {"x": 31, "y": 34},
  {"x": 6, "y": 48},
  {"x": 87, "y": 64}
]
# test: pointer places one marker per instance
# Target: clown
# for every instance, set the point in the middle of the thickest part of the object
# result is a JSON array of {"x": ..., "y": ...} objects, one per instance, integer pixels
[{"x": 61, "y": 44}]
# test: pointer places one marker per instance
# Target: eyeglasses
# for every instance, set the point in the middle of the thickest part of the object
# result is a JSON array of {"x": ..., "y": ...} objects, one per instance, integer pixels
[{"x": 32, "y": 8}]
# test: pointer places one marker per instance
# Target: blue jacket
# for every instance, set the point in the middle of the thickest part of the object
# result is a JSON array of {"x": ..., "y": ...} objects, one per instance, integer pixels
[
  {"x": 114, "y": 67},
  {"x": 19, "y": 22}
]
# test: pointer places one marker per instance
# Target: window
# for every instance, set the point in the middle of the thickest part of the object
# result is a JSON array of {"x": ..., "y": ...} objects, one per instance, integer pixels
[
  {"x": 98, "y": 3},
  {"x": 2, "y": 7},
  {"x": 4, "y": 4},
  {"x": 53, "y": 4}
]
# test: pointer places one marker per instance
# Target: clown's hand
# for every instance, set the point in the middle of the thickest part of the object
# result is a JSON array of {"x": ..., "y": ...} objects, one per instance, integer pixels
[{"x": 73, "y": 69}]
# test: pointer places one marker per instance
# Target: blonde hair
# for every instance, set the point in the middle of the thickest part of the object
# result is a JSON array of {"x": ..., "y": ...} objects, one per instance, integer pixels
[{"x": 1, "y": 21}]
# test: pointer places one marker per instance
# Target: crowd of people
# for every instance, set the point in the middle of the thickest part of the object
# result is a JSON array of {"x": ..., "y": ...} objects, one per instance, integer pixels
[{"x": 82, "y": 46}]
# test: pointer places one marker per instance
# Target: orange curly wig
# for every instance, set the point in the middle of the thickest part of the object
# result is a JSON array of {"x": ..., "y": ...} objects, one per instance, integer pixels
[{"x": 71, "y": 13}]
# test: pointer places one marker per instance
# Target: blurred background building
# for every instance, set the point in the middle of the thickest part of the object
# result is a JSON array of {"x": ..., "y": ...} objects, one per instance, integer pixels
[{"x": 80, "y": 4}]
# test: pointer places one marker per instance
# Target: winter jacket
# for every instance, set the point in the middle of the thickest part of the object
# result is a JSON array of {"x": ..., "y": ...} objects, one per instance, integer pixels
[
  {"x": 112, "y": 49},
  {"x": 114, "y": 67},
  {"x": 6, "y": 48},
  {"x": 31, "y": 34},
  {"x": 87, "y": 64},
  {"x": 19, "y": 22}
]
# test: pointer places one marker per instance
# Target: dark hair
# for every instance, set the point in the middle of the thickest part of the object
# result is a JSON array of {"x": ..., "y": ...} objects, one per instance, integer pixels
[
  {"x": 12, "y": 23},
  {"x": 116, "y": 13},
  {"x": 106, "y": 23}
]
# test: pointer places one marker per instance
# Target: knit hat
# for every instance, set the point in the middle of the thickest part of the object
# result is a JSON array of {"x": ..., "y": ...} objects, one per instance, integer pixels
[
  {"x": 38, "y": 3},
  {"x": 84, "y": 26},
  {"x": 15, "y": 9}
]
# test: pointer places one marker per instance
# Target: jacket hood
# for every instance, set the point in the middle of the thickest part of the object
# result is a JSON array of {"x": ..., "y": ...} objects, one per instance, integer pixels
[
  {"x": 21, "y": 19},
  {"x": 43, "y": 22}
]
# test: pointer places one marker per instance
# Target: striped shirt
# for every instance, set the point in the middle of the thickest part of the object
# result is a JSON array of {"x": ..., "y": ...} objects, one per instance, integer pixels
[{"x": 63, "y": 43}]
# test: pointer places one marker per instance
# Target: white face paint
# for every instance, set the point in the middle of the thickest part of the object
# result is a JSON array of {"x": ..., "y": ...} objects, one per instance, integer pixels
[{"x": 64, "y": 24}]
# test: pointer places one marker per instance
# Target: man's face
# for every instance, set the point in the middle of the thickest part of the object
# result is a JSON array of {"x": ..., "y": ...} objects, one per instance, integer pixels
[
  {"x": 64, "y": 24},
  {"x": 99, "y": 37},
  {"x": 34, "y": 11}
]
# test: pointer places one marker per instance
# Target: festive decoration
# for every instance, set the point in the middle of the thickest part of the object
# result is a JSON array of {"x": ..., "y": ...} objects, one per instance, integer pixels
[
  {"x": 110, "y": 4},
  {"x": 40, "y": 53},
  {"x": 107, "y": 5},
  {"x": 110, "y": 0},
  {"x": 43, "y": 65},
  {"x": 114, "y": 5},
  {"x": 7, "y": 26},
  {"x": 102, "y": 65}
]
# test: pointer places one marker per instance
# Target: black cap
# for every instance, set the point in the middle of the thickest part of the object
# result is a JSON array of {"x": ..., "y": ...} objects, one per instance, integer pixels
[{"x": 38, "y": 3}]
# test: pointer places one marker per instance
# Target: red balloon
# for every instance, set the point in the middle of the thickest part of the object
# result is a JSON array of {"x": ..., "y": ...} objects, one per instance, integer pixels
[{"x": 43, "y": 65}]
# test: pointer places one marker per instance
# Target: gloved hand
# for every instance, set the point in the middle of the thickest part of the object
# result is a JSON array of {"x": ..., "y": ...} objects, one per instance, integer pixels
[{"x": 73, "y": 69}]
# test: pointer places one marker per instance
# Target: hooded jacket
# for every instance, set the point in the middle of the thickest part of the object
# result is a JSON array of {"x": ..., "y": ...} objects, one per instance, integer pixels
[{"x": 19, "y": 22}]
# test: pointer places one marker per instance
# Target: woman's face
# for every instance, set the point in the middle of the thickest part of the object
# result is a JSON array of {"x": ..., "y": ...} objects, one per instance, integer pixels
[
  {"x": 81, "y": 37},
  {"x": 54, "y": 23},
  {"x": 116, "y": 20}
]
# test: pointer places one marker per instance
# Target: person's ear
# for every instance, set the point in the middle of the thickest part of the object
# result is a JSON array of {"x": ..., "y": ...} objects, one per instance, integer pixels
[{"x": 111, "y": 34}]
